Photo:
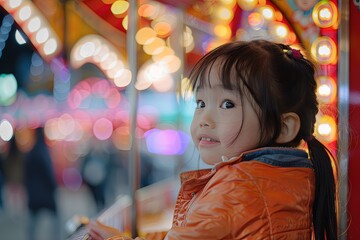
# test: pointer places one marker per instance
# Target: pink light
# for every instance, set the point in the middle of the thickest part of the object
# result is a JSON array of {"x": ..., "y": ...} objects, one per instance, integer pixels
[
  {"x": 166, "y": 142},
  {"x": 103, "y": 129},
  {"x": 113, "y": 98},
  {"x": 100, "y": 88}
]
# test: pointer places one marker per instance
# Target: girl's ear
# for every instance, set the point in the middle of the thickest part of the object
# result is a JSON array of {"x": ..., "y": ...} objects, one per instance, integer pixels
[{"x": 289, "y": 128}]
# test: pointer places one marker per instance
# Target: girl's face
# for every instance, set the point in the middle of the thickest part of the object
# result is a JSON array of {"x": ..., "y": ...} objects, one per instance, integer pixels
[{"x": 217, "y": 121}]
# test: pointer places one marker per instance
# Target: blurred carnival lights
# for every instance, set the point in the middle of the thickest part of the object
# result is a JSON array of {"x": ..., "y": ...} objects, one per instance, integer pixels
[
  {"x": 97, "y": 50},
  {"x": 326, "y": 90},
  {"x": 8, "y": 89},
  {"x": 279, "y": 31},
  {"x": 267, "y": 12},
  {"x": 325, "y": 14},
  {"x": 119, "y": 8},
  {"x": 19, "y": 38},
  {"x": 6, "y": 130},
  {"x": 102, "y": 128},
  {"x": 325, "y": 128},
  {"x": 35, "y": 26},
  {"x": 323, "y": 50},
  {"x": 247, "y": 5}
]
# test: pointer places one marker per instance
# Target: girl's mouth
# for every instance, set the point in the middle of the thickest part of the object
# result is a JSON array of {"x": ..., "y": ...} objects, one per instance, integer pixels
[{"x": 207, "y": 139}]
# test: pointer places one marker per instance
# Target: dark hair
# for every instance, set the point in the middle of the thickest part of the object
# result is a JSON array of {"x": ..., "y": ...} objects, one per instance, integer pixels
[{"x": 278, "y": 79}]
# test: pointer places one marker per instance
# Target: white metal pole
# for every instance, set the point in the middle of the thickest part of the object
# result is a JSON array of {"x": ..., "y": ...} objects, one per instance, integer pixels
[
  {"x": 134, "y": 162},
  {"x": 343, "y": 108}
]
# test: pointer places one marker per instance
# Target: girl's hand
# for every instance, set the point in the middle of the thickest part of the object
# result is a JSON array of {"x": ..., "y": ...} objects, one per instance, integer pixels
[{"x": 99, "y": 231}]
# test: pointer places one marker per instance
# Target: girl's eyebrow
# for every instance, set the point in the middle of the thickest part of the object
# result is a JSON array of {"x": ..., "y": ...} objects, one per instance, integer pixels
[{"x": 217, "y": 86}]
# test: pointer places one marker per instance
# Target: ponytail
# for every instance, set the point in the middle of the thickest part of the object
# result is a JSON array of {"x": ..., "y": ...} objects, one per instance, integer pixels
[{"x": 324, "y": 208}]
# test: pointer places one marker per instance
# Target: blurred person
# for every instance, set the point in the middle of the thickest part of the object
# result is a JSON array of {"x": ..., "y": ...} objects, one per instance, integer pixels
[
  {"x": 95, "y": 168},
  {"x": 13, "y": 192},
  {"x": 41, "y": 189}
]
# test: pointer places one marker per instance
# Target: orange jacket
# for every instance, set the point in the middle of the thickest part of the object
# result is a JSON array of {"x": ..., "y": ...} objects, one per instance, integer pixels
[{"x": 263, "y": 194}]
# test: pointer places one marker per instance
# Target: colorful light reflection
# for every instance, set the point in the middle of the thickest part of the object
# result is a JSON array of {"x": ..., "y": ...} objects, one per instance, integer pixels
[{"x": 166, "y": 142}]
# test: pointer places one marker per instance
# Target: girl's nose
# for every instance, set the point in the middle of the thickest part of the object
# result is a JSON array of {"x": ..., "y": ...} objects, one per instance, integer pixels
[
  {"x": 204, "y": 124},
  {"x": 206, "y": 118}
]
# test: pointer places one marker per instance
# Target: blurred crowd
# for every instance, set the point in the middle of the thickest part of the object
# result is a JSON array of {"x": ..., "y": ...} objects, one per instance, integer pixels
[{"x": 30, "y": 183}]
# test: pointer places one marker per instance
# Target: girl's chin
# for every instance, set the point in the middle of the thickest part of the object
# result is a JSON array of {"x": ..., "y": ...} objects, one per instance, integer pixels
[{"x": 211, "y": 161}]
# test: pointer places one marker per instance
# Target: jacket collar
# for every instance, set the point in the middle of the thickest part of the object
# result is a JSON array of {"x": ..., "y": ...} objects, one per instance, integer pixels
[{"x": 276, "y": 156}]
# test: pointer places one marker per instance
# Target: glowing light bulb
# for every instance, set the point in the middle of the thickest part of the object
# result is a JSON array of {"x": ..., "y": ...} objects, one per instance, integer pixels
[
  {"x": 323, "y": 50},
  {"x": 325, "y": 14},
  {"x": 325, "y": 128}
]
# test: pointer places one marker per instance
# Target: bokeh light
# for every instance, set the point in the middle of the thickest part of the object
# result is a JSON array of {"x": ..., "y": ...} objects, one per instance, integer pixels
[
  {"x": 6, "y": 130},
  {"x": 103, "y": 128},
  {"x": 323, "y": 50},
  {"x": 166, "y": 142},
  {"x": 8, "y": 89}
]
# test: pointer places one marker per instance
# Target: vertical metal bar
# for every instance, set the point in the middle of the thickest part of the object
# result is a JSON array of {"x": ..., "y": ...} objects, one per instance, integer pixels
[
  {"x": 133, "y": 157},
  {"x": 177, "y": 43},
  {"x": 343, "y": 118}
]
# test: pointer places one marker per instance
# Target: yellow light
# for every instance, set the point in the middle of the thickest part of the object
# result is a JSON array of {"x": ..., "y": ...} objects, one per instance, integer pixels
[
  {"x": 224, "y": 14},
  {"x": 144, "y": 35},
  {"x": 222, "y": 31},
  {"x": 125, "y": 22},
  {"x": 326, "y": 90},
  {"x": 153, "y": 46},
  {"x": 281, "y": 31},
  {"x": 228, "y": 3},
  {"x": 325, "y": 14},
  {"x": 149, "y": 10},
  {"x": 267, "y": 12},
  {"x": 325, "y": 128},
  {"x": 119, "y": 8},
  {"x": 115, "y": 69},
  {"x": 163, "y": 29},
  {"x": 247, "y": 5},
  {"x": 162, "y": 52},
  {"x": 170, "y": 63},
  {"x": 122, "y": 78},
  {"x": 188, "y": 37},
  {"x": 323, "y": 50}
]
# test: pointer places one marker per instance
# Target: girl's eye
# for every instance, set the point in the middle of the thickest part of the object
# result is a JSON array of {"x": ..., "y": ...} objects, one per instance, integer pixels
[
  {"x": 227, "y": 104},
  {"x": 200, "y": 104}
]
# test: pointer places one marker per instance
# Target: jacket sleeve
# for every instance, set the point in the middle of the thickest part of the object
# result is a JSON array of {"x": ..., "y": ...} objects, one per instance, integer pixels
[{"x": 227, "y": 208}]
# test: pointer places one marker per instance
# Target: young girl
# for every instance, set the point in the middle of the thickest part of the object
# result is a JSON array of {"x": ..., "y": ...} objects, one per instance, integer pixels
[{"x": 256, "y": 104}]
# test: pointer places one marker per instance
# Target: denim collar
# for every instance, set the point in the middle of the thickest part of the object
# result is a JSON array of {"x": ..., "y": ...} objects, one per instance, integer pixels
[{"x": 281, "y": 157}]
